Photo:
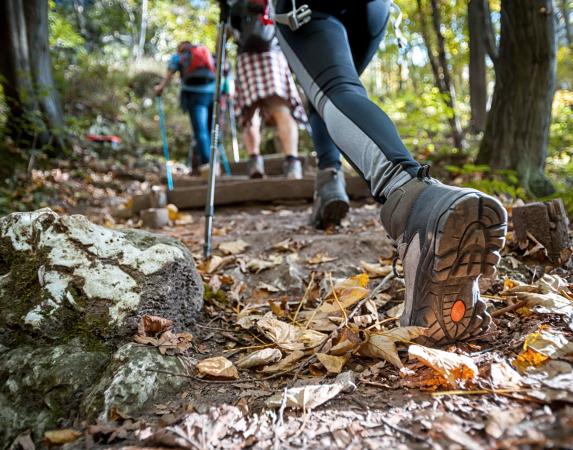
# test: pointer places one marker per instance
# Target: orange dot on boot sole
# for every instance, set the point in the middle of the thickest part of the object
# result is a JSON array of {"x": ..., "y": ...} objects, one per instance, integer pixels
[{"x": 458, "y": 310}]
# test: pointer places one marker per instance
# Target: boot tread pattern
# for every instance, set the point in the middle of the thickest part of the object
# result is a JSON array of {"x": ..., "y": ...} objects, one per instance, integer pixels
[{"x": 467, "y": 244}]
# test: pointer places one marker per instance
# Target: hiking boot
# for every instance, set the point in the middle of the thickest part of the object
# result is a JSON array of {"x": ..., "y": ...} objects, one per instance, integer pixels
[
  {"x": 292, "y": 168},
  {"x": 331, "y": 202},
  {"x": 447, "y": 237},
  {"x": 256, "y": 167}
]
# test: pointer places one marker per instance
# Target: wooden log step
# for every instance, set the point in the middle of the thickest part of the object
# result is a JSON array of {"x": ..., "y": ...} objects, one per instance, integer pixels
[{"x": 264, "y": 190}]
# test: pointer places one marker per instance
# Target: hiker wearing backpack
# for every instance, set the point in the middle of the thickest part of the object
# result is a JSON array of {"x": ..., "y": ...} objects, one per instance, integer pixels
[
  {"x": 446, "y": 236},
  {"x": 265, "y": 89},
  {"x": 196, "y": 67}
]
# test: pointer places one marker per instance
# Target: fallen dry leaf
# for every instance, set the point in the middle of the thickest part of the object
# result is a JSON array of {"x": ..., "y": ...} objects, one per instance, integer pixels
[
  {"x": 285, "y": 364},
  {"x": 396, "y": 311},
  {"x": 173, "y": 212},
  {"x": 257, "y": 265},
  {"x": 288, "y": 336},
  {"x": 456, "y": 369},
  {"x": 320, "y": 258},
  {"x": 541, "y": 346},
  {"x": 267, "y": 287},
  {"x": 153, "y": 325},
  {"x": 332, "y": 364},
  {"x": 233, "y": 247},
  {"x": 259, "y": 358},
  {"x": 281, "y": 333},
  {"x": 310, "y": 396},
  {"x": 376, "y": 270},
  {"x": 61, "y": 437},
  {"x": 214, "y": 263},
  {"x": 382, "y": 344},
  {"x": 289, "y": 245},
  {"x": 500, "y": 420},
  {"x": 346, "y": 293},
  {"x": 503, "y": 376},
  {"x": 217, "y": 367},
  {"x": 347, "y": 341}
]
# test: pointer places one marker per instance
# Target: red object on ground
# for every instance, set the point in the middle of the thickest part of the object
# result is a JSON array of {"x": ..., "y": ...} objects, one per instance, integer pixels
[{"x": 103, "y": 138}]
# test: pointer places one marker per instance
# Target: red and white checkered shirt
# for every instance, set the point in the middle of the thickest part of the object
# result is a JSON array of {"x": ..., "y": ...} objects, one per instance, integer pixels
[{"x": 264, "y": 75}]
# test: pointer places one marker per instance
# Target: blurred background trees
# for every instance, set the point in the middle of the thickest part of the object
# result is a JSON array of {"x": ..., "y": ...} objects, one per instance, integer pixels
[{"x": 483, "y": 89}]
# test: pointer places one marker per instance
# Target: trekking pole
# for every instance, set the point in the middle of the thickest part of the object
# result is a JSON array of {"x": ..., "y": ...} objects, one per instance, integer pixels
[
  {"x": 210, "y": 204},
  {"x": 164, "y": 139},
  {"x": 233, "y": 126}
]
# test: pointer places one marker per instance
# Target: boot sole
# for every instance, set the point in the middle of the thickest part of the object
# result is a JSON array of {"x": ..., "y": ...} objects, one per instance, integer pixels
[
  {"x": 332, "y": 213},
  {"x": 468, "y": 238}
]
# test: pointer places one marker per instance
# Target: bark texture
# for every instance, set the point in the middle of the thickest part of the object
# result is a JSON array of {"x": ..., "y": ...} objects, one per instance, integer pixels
[
  {"x": 26, "y": 71},
  {"x": 478, "y": 78},
  {"x": 517, "y": 128},
  {"x": 440, "y": 68}
]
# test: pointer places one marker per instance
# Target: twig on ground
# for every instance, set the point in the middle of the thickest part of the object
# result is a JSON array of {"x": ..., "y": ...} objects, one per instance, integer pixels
[
  {"x": 307, "y": 290},
  {"x": 337, "y": 300},
  {"x": 502, "y": 311}
]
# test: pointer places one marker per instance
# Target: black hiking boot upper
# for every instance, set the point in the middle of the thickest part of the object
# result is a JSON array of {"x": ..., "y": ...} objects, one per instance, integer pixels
[{"x": 331, "y": 202}]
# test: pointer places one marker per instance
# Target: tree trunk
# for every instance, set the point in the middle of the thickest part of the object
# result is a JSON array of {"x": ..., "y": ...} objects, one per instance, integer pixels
[
  {"x": 35, "y": 117},
  {"x": 488, "y": 32},
  {"x": 478, "y": 79},
  {"x": 140, "y": 49},
  {"x": 440, "y": 69},
  {"x": 517, "y": 127},
  {"x": 36, "y": 15},
  {"x": 565, "y": 13}
]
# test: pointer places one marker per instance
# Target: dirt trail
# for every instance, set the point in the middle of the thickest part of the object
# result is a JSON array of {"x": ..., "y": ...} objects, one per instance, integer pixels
[{"x": 382, "y": 412}]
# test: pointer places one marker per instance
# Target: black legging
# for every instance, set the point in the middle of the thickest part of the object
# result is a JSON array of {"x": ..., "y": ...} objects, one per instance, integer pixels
[{"x": 328, "y": 54}]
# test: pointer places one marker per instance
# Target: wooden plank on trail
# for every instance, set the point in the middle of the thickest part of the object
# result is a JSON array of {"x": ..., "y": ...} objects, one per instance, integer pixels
[{"x": 264, "y": 190}]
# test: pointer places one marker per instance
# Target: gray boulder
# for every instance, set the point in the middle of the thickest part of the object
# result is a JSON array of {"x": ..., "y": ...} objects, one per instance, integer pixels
[
  {"x": 63, "y": 277},
  {"x": 71, "y": 295}
]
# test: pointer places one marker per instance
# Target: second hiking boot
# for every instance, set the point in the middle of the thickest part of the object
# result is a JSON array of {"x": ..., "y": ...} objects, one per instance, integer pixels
[
  {"x": 256, "y": 167},
  {"x": 446, "y": 237},
  {"x": 331, "y": 202},
  {"x": 292, "y": 168}
]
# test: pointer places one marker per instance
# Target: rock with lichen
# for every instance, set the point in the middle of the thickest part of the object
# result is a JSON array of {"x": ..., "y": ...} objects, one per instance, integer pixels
[
  {"x": 64, "y": 277},
  {"x": 71, "y": 295}
]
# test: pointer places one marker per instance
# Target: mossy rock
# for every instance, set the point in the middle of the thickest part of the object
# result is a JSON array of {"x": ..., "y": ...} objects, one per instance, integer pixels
[
  {"x": 135, "y": 377},
  {"x": 63, "y": 277},
  {"x": 41, "y": 388}
]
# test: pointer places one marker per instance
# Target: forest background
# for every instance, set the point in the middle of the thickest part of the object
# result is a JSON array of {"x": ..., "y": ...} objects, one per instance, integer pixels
[{"x": 487, "y": 102}]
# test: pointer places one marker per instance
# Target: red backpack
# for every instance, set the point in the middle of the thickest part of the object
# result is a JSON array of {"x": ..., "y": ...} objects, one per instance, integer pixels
[{"x": 196, "y": 63}]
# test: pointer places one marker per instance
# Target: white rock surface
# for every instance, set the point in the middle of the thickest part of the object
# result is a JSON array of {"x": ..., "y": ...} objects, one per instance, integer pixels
[{"x": 80, "y": 261}]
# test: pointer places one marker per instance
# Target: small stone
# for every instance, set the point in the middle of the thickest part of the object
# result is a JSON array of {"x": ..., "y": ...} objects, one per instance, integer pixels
[
  {"x": 155, "y": 217},
  {"x": 158, "y": 197}
]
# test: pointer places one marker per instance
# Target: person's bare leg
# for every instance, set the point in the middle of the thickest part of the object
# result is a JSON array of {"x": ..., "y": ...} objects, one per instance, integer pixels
[
  {"x": 252, "y": 135},
  {"x": 287, "y": 130},
  {"x": 252, "y": 139}
]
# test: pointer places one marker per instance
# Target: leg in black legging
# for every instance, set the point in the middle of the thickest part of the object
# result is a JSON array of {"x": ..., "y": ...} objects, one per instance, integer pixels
[
  {"x": 327, "y": 63},
  {"x": 327, "y": 152}
]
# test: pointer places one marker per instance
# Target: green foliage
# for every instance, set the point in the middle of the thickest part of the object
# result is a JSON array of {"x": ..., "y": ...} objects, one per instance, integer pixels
[
  {"x": 62, "y": 33},
  {"x": 503, "y": 183}
]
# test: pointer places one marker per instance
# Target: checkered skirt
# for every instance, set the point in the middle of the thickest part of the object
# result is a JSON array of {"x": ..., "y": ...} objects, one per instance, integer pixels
[{"x": 264, "y": 75}]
